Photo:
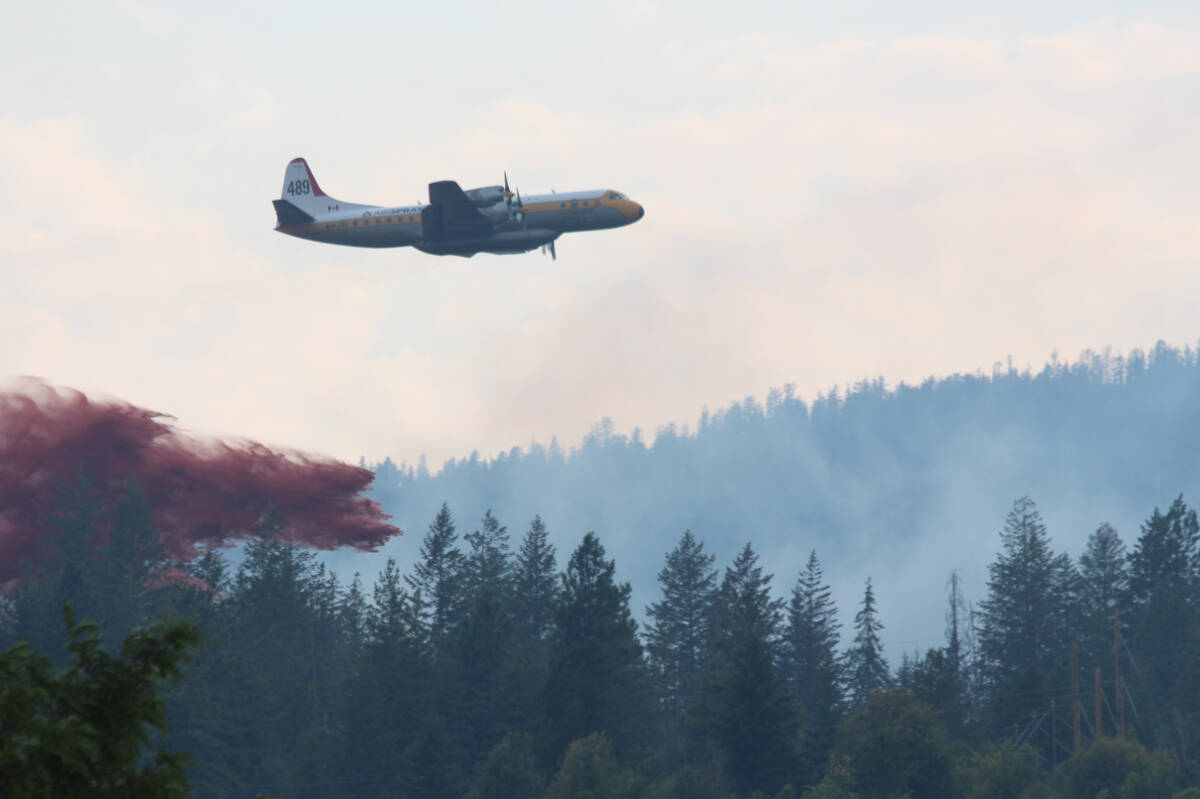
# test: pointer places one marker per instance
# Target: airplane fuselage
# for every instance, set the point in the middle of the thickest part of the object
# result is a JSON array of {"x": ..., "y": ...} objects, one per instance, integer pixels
[{"x": 480, "y": 220}]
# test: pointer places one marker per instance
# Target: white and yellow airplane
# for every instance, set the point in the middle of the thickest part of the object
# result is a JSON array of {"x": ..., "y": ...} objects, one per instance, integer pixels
[{"x": 455, "y": 222}]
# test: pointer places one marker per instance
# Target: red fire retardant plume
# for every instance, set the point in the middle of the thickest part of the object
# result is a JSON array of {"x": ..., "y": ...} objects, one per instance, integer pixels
[{"x": 201, "y": 492}]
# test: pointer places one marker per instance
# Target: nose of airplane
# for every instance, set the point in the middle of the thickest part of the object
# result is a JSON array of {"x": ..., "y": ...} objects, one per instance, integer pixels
[{"x": 630, "y": 210}]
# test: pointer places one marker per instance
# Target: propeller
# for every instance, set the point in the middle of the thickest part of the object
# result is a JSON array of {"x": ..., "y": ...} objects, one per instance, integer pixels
[
  {"x": 519, "y": 214},
  {"x": 509, "y": 194}
]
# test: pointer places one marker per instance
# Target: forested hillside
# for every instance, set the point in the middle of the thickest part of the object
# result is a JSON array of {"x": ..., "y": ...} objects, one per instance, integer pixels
[
  {"x": 865, "y": 596},
  {"x": 900, "y": 484},
  {"x": 499, "y": 666}
]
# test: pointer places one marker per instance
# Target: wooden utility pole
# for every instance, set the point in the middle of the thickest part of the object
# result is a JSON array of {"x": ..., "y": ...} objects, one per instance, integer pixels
[
  {"x": 1117, "y": 664},
  {"x": 1075, "y": 691},
  {"x": 1099, "y": 724}
]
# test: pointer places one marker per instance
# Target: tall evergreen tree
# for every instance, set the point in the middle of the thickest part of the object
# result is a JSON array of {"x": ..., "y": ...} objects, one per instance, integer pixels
[
  {"x": 1102, "y": 590},
  {"x": 435, "y": 579},
  {"x": 480, "y": 707},
  {"x": 1102, "y": 571},
  {"x": 352, "y": 616},
  {"x": 811, "y": 667},
  {"x": 1022, "y": 643},
  {"x": 393, "y": 619},
  {"x": 390, "y": 703},
  {"x": 532, "y": 603},
  {"x": 535, "y": 582},
  {"x": 597, "y": 680},
  {"x": 1067, "y": 590},
  {"x": 272, "y": 655},
  {"x": 677, "y": 634},
  {"x": 865, "y": 667},
  {"x": 1166, "y": 554},
  {"x": 750, "y": 712},
  {"x": 1164, "y": 595},
  {"x": 487, "y": 564}
]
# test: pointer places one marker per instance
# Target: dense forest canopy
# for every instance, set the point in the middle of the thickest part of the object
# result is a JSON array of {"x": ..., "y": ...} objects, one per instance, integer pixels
[
  {"x": 901, "y": 484},
  {"x": 499, "y": 667}
]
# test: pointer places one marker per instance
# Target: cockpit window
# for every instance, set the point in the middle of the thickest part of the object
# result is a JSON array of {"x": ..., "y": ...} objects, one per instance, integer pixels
[{"x": 616, "y": 195}]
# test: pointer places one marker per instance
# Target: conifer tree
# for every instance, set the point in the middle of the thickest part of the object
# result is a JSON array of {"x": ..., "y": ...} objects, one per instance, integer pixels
[
  {"x": 436, "y": 577},
  {"x": 1102, "y": 571},
  {"x": 1163, "y": 593},
  {"x": 677, "y": 634},
  {"x": 531, "y": 606},
  {"x": 487, "y": 564},
  {"x": 1021, "y": 640},
  {"x": 211, "y": 570},
  {"x": 750, "y": 712},
  {"x": 865, "y": 667},
  {"x": 1166, "y": 556},
  {"x": 272, "y": 654},
  {"x": 352, "y": 616},
  {"x": 392, "y": 683},
  {"x": 1102, "y": 590},
  {"x": 811, "y": 666},
  {"x": 597, "y": 681},
  {"x": 1067, "y": 590},
  {"x": 535, "y": 582},
  {"x": 480, "y": 705},
  {"x": 1019, "y": 615},
  {"x": 393, "y": 620}
]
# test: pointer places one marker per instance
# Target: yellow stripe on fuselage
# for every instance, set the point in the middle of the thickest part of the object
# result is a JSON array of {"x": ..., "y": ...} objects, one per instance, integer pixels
[{"x": 362, "y": 223}]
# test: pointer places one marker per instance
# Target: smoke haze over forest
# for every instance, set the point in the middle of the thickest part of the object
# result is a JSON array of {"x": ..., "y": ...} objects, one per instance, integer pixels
[{"x": 901, "y": 484}]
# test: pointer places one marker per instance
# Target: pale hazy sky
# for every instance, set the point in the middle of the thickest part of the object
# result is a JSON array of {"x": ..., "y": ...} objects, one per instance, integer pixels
[{"x": 884, "y": 189}]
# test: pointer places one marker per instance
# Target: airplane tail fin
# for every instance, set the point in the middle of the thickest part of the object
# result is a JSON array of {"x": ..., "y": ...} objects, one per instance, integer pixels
[
  {"x": 301, "y": 196},
  {"x": 302, "y": 200}
]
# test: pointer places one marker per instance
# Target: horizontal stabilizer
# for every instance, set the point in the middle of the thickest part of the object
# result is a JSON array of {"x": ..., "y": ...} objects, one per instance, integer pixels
[{"x": 289, "y": 214}]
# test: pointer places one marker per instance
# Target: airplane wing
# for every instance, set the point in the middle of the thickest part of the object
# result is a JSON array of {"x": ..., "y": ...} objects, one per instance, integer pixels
[{"x": 455, "y": 202}]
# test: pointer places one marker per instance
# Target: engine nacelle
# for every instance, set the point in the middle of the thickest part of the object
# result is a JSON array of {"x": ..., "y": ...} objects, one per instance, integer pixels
[{"x": 486, "y": 196}]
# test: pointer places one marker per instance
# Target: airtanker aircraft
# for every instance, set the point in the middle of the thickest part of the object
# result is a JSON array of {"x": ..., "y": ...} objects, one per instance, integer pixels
[{"x": 455, "y": 222}]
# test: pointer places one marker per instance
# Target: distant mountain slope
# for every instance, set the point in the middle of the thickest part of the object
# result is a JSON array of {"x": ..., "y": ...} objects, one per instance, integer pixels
[{"x": 904, "y": 484}]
